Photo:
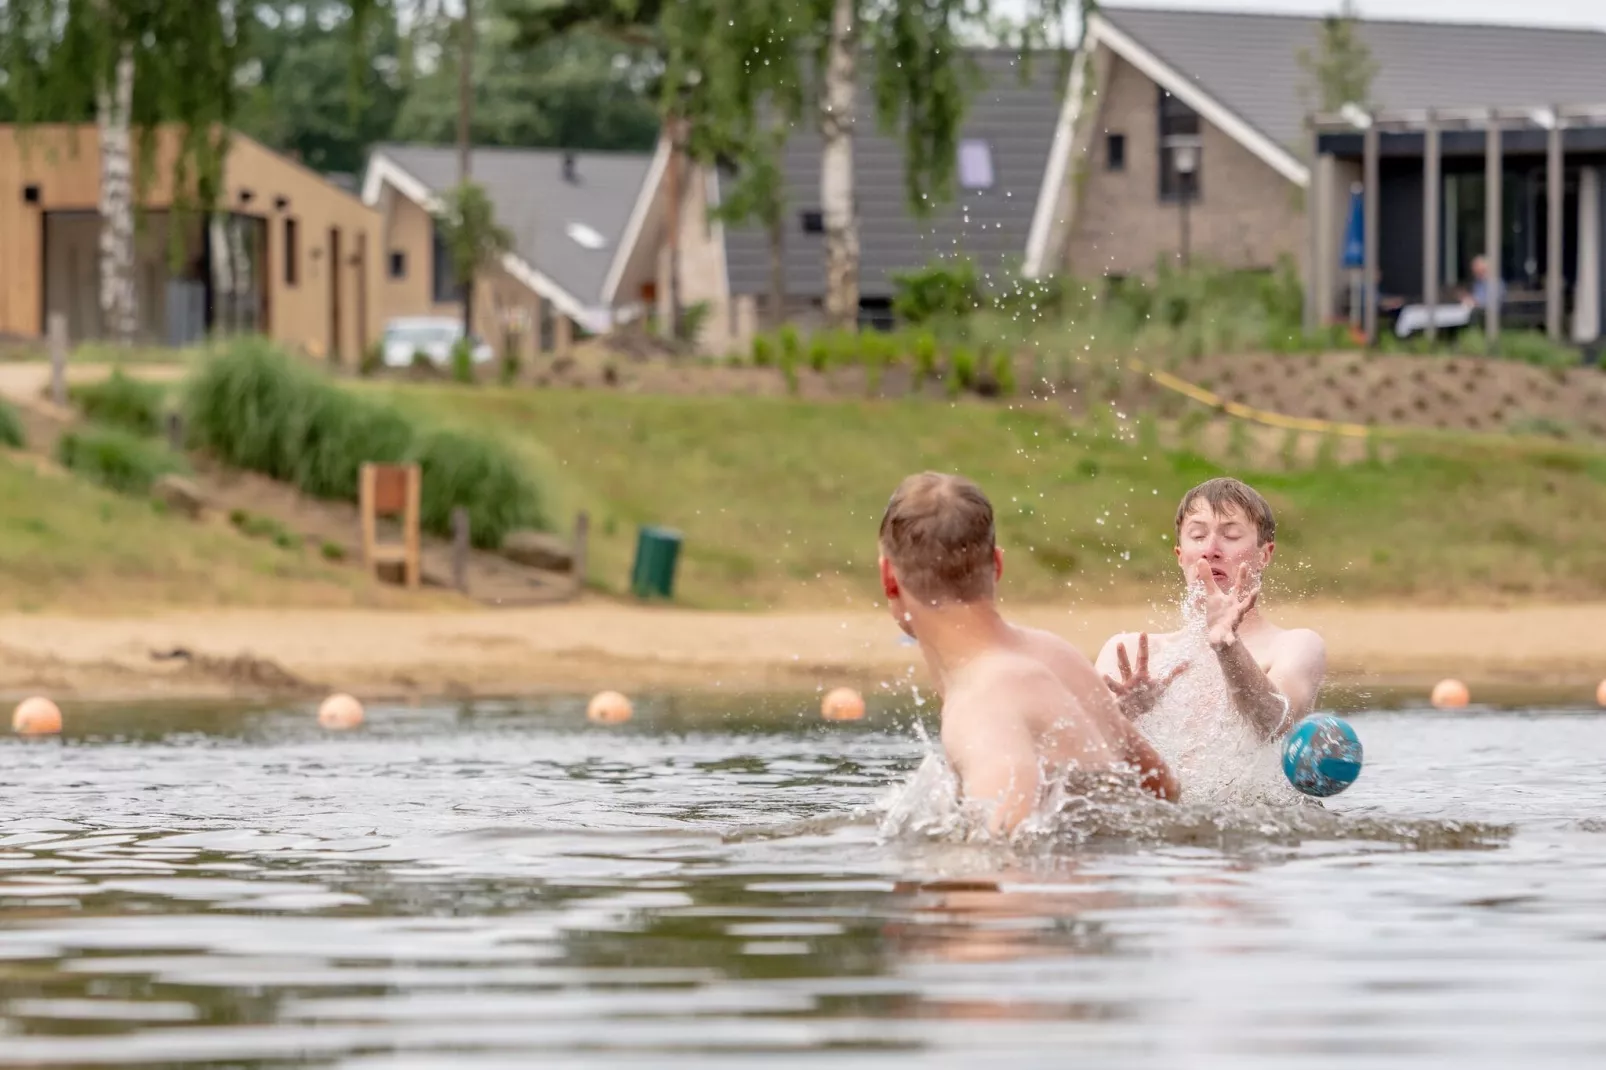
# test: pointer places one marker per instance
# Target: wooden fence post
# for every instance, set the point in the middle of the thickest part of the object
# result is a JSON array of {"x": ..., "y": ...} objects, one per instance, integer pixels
[
  {"x": 58, "y": 358},
  {"x": 460, "y": 548},
  {"x": 582, "y": 529}
]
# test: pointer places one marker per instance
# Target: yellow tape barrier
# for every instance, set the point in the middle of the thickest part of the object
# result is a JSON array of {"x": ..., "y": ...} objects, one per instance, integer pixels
[{"x": 1234, "y": 408}]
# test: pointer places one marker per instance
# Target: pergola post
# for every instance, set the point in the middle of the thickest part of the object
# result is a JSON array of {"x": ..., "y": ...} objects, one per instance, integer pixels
[
  {"x": 1553, "y": 235},
  {"x": 1493, "y": 171},
  {"x": 1430, "y": 223},
  {"x": 1316, "y": 197},
  {"x": 1369, "y": 275}
]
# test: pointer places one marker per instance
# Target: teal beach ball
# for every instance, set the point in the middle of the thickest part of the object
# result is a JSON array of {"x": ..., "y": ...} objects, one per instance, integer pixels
[{"x": 1322, "y": 755}]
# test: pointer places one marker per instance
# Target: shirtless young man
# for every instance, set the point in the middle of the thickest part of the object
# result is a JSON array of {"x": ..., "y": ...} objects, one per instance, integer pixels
[
  {"x": 1226, "y": 536},
  {"x": 1019, "y": 706}
]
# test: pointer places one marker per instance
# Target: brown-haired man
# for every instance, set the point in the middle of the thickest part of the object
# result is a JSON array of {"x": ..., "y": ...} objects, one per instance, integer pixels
[
  {"x": 1226, "y": 535},
  {"x": 1019, "y": 706}
]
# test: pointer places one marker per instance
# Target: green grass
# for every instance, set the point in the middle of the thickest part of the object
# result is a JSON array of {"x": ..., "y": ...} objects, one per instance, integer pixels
[
  {"x": 134, "y": 405},
  {"x": 779, "y": 499},
  {"x": 116, "y": 459},
  {"x": 69, "y": 546},
  {"x": 12, "y": 434}
]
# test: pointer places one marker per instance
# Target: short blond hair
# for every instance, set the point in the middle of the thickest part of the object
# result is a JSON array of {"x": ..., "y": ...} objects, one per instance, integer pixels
[
  {"x": 1224, "y": 492},
  {"x": 938, "y": 533}
]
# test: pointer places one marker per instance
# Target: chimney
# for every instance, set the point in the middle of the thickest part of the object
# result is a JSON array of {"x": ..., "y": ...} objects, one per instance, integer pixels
[{"x": 569, "y": 174}]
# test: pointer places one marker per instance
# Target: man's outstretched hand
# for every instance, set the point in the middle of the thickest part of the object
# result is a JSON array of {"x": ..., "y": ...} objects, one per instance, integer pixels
[
  {"x": 1225, "y": 610},
  {"x": 1137, "y": 692}
]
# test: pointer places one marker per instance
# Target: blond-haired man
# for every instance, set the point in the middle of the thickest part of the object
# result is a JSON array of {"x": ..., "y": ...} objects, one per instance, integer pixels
[
  {"x": 1226, "y": 536},
  {"x": 1021, "y": 708}
]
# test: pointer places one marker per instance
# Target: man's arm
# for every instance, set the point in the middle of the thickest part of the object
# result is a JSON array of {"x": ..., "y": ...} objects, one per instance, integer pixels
[
  {"x": 1274, "y": 701},
  {"x": 1156, "y": 776}
]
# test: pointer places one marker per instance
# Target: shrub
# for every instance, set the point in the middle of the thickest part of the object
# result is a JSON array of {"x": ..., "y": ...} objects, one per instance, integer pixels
[
  {"x": 962, "y": 368},
  {"x": 763, "y": 351},
  {"x": 819, "y": 352},
  {"x": 116, "y": 459},
  {"x": 940, "y": 290},
  {"x": 12, "y": 435},
  {"x": 1533, "y": 347},
  {"x": 925, "y": 357},
  {"x": 373, "y": 360},
  {"x": 791, "y": 343},
  {"x": 691, "y": 320},
  {"x": 119, "y": 401},
  {"x": 789, "y": 372},
  {"x": 463, "y": 361},
  {"x": 253, "y": 407},
  {"x": 1003, "y": 373},
  {"x": 510, "y": 362},
  {"x": 461, "y": 469}
]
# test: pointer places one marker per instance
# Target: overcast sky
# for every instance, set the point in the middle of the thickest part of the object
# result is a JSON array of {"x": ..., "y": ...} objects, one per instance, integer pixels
[{"x": 1521, "y": 12}]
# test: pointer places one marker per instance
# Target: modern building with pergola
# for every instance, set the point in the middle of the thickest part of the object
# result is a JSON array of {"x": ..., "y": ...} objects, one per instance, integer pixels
[{"x": 1520, "y": 185}]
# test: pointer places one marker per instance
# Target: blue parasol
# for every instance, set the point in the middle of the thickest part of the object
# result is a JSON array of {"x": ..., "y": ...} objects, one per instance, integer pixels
[{"x": 1355, "y": 233}]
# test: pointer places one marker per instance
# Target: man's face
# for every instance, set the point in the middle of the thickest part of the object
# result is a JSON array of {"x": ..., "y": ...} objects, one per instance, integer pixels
[{"x": 1226, "y": 539}]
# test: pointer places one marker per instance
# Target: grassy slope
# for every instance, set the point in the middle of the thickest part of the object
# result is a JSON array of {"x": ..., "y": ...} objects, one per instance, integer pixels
[
  {"x": 779, "y": 499},
  {"x": 67, "y": 545}
]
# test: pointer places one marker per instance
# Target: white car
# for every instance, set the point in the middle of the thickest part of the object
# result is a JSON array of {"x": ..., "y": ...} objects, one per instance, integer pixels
[{"x": 434, "y": 336}]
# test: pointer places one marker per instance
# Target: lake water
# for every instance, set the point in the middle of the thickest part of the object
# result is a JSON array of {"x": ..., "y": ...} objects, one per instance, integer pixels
[{"x": 506, "y": 886}]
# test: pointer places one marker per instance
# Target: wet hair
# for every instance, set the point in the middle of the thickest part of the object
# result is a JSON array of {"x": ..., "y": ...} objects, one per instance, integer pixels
[
  {"x": 938, "y": 533},
  {"x": 1224, "y": 492}
]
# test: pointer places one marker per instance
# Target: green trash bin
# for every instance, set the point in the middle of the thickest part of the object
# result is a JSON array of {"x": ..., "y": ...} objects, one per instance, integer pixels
[{"x": 657, "y": 551}]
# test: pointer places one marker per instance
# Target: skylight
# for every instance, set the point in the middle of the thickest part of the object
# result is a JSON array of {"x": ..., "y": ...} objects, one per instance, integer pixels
[
  {"x": 975, "y": 164},
  {"x": 586, "y": 237}
]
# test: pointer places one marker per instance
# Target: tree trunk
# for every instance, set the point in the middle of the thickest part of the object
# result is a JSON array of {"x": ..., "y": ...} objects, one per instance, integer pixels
[
  {"x": 465, "y": 119},
  {"x": 777, "y": 235},
  {"x": 465, "y": 91},
  {"x": 113, "y": 107},
  {"x": 671, "y": 325},
  {"x": 837, "y": 201}
]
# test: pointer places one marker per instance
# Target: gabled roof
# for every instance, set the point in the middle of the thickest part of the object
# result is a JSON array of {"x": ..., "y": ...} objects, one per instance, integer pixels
[
  {"x": 1015, "y": 118},
  {"x": 1248, "y": 64},
  {"x": 566, "y": 233}
]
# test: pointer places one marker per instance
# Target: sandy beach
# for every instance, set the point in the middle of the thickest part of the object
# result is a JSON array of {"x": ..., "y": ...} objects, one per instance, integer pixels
[{"x": 602, "y": 644}]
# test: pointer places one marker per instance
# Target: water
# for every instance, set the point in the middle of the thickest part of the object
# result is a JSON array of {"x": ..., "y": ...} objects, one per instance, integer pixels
[{"x": 505, "y": 886}]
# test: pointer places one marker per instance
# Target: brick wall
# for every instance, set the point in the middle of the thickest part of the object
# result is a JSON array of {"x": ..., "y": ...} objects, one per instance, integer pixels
[{"x": 1246, "y": 215}]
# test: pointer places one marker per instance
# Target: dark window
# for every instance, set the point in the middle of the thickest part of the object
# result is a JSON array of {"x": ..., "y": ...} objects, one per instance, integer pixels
[
  {"x": 445, "y": 282},
  {"x": 292, "y": 252},
  {"x": 30, "y": 194},
  {"x": 1180, "y": 158},
  {"x": 1115, "y": 152},
  {"x": 398, "y": 264},
  {"x": 813, "y": 222}
]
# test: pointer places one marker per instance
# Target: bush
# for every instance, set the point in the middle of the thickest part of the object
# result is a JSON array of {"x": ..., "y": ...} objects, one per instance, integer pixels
[
  {"x": 510, "y": 361},
  {"x": 253, "y": 407},
  {"x": 1534, "y": 347},
  {"x": 962, "y": 368},
  {"x": 819, "y": 352},
  {"x": 12, "y": 435},
  {"x": 940, "y": 290},
  {"x": 925, "y": 357},
  {"x": 690, "y": 323},
  {"x": 133, "y": 405},
  {"x": 116, "y": 459},
  {"x": 463, "y": 361},
  {"x": 460, "y": 469},
  {"x": 791, "y": 343},
  {"x": 763, "y": 351},
  {"x": 373, "y": 360}
]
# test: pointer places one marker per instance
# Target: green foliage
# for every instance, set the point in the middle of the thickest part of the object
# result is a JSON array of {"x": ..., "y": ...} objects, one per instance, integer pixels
[
  {"x": 509, "y": 363},
  {"x": 791, "y": 343},
  {"x": 461, "y": 469},
  {"x": 254, "y": 407},
  {"x": 962, "y": 367},
  {"x": 1002, "y": 373},
  {"x": 763, "y": 351},
  {"x": 373, "y": 360},
  {"x": 473, "y": 238},
  {"x": 116, "y": 459},
  {"x": 462, "y": 361},
  {"x": 940, "y": 290},
  {"x": 691, "y": 320},
  {"x": 1535, "y": 347},
  {"x": 12, "y": 434},
  {"x": 789, "y": 372},
  {"x": 819, "y": 352},
  {"x": 332, "y": 551},
  {"x": 1342, "y": 67},
  {"x": 264, "y": 527},
  {"x": 119, "y": 400},
  {"x": 925, "y": 357}
]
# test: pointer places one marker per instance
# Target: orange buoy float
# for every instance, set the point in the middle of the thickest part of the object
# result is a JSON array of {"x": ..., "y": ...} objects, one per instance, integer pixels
[
  {"x": 609, "y": 707},
  {"x": 340, "y": 712},
  {"x": 842, "y": 704},
  {"x": 36, "y": 716},
  {"x": 1600, "y": 693},
  {"x": 1450, "y": 694}
]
